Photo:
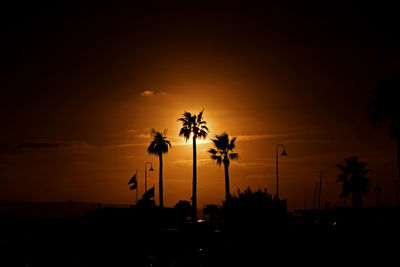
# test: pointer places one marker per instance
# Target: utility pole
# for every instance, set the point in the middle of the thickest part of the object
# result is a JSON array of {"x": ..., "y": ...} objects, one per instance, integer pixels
[
  {"x": 320, "y": 186},
  {"x": 315, "y": 196}
]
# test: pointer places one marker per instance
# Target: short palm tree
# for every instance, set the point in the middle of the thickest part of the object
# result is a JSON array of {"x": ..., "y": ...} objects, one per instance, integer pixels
[
  {"x": 193, "y": 126},
  {"x": 378, "y": 190},
  {"x": 357, "y": 183},
  {"x": 223, "y": 154},
  {"x": 159, "y": 146},
  {"x": 343, "y": 178},
  {"x": 385, "y": 107}
]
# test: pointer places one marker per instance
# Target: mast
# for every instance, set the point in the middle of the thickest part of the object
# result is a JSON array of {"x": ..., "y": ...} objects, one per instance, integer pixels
[
  {"x": 320, "y": 186},
  {"x": 315, "y": 196}
]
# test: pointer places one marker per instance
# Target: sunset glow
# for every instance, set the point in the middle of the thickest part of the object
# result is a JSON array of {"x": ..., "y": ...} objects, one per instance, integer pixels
[{"x": 80, "y": 100}]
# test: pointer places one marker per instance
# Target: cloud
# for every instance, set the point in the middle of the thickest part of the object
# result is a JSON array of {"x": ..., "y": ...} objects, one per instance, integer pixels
[
  {"x": 152, "y": 93},
  {"x": 182, "y": 142},
  {"x": 124, "y": 145},
  {"x": 189, "y": 162},
  {"x": 14, "y": 149},
  {"x": 253, "y": 137},
  {"x": 147, "y": 93},
  {"x": 256, "y": 176},
  {"x": 57, "y": 144},
  {"x": 253, "y": 164},
  {"x": 143, "y": 135}
]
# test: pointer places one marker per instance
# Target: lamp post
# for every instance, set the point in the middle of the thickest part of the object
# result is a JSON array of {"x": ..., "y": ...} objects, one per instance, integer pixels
[
  {"x": 277, "y": 176},
  {"x": 145, "y": 174}
]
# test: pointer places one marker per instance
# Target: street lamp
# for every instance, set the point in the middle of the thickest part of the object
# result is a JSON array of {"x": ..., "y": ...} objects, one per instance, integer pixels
[
  {"x": 145, "y": 174},
  {"x": 283, "y": 154}
]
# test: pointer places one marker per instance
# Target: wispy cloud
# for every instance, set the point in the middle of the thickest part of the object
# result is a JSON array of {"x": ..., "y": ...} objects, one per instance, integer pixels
[
  {"x": 123, "y": 145},
  {"x": 143, "y": 135},
  {"x": 182, "y": 142},
  {"x": 253, "y": 164},
  {"x": 152, "y": 93},
  {"x": 189, "y": 162},
  {"x": 57, "y": 144},
  {"x": 254, "y": 137},
  {"x": 255, "y": 176},
  {"x": 13, "y": 149},
  {"x": 147, "y": 93}
]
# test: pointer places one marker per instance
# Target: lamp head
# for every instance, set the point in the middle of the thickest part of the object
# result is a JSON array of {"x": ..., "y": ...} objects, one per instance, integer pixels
[
  {"x": 284, "y": 153},
  {"x": 151, "y": 168}
]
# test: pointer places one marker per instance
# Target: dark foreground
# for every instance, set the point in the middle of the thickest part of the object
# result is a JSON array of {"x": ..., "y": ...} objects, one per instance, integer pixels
[{"x": 160, "y": 237}]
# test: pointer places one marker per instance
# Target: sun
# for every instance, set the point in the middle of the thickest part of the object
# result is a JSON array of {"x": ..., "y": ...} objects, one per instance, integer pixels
[{"x": 199, "y": 140}]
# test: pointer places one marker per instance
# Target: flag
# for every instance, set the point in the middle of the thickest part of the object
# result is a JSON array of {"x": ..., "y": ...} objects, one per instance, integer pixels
[
  {"x": 149, "y": 194},
  {"x": 133, "y": 181},
  {"x": 133, "y": 187}
]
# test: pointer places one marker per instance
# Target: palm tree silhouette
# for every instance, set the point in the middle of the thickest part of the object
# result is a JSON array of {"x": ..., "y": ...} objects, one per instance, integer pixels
[
  {"x": 343, "y": 178},
  {"x": 193, "y": 126},
  {"x": 378, "y": 190},
  {"x": 159, "y": 146},
  {"x": 385, "y": 107},
  {"x": 223, "y": 154},
  {"x": 357, "y": 182}
]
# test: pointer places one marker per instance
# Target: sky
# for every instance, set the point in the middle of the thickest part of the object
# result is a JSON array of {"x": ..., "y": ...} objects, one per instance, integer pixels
[{"x": 82, "y": 85}]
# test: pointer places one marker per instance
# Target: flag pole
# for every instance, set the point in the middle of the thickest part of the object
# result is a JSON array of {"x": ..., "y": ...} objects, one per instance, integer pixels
[{"x": 319, "y": 195}]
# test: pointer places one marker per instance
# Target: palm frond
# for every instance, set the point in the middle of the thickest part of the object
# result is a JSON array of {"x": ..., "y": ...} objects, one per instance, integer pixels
[
  {"x": 233, "y": 156},
  {"x": 159, "y": 145},
  {"x": 203, "y": 127},
  {"x": 200, "y": 116},
  {"x": 168, "y": 143},
  {"x": 217, "y": 158},
  {"x": 153, "y": 132},
  {"x": 212, "y": 151},
  {"x": 202, "y": 134},
  {"x": 232, "y": 145},
  {"x": 185, "y": 132}
]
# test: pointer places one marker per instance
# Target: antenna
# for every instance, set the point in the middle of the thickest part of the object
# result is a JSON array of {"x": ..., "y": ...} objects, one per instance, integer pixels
[
  {"x": 320, "y": 186},
  {"x": 315, "y": 196}
]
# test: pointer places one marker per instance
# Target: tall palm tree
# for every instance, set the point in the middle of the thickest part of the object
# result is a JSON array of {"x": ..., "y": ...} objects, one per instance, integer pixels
[
  {"x": 193, "y": 126},
  {"x": 357, "y": 182},
  {"x": 223, "y": 154},
  {"x": 386, "y": 107},
  {"x": 378, "y": 190},
  {"x": 159, "y": 146}
]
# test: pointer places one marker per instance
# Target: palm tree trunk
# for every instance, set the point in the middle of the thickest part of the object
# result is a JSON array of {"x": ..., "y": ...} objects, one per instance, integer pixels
[
  {"x": 161, "y": 181},
  {"x": 227, "y": 192},
  {"x": 398, "y": 169},
  {"x": 194, "y": 195},
  {"x": 357, "y": 200},
  {"x": 398, "y": 156}
]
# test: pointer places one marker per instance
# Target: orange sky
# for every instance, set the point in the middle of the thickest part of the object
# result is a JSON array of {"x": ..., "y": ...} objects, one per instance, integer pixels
[{"x": 76, "y": 115}]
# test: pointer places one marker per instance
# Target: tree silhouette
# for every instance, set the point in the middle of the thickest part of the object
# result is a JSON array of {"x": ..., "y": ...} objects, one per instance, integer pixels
[
  {"x": 223, "y": 154},
  {"x": 385, "y": 107},
  {"x": 193, "y": 126},
  {"x": 343, "y": 178},
  {"x": 378, "y": 191},
  {"x": 357, "y": 182},
  {"x": 159, "y": 146}
]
